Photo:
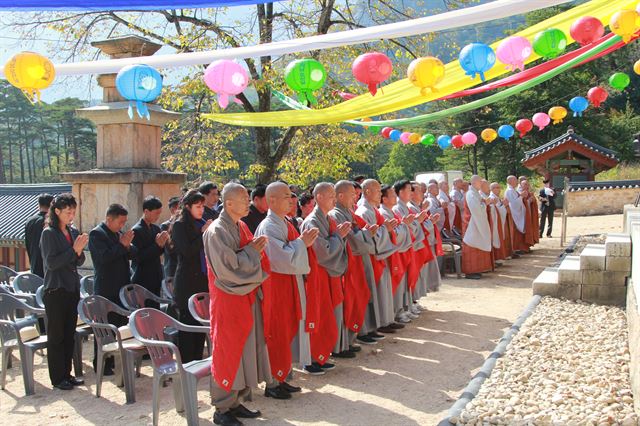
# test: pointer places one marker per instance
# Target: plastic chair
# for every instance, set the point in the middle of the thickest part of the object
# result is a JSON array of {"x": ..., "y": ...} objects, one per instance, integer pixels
[
  {"x": 26, "y": 282},
  {"x": 199, "y": 310},
  {"x": 26, "y": 298},
  {"x": 134, "y": 296},
  {"x": 149, "y": 325},
  {"x": 86, "y": 286},
  {"x": 94, "y": 311},
  {"x": 22, "y": 334},
  {"x": 168, "y": 291},
  {"x": 6, "y": 274},
  {"x": 454, "y": 252}
]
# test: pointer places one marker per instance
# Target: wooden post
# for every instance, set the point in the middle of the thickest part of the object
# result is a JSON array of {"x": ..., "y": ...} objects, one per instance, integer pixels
[{"x": 565, "y": 198}]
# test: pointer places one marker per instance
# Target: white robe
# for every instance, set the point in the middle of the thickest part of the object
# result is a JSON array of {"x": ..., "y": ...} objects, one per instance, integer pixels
[
  {"x": 478, "y": 232},
  {"x": 516, "y": 207},
  {"x": 493, "y": 211}
]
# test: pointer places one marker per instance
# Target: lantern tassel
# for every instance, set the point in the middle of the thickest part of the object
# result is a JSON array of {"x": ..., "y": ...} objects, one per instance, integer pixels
[
  {"x": 312, "y": 99},
  {"x": 223, "y": 100},
  {"x": 373, "y": 89},
  {"x": 143, "y": 110},
  {"x": 130, "y": 110}
]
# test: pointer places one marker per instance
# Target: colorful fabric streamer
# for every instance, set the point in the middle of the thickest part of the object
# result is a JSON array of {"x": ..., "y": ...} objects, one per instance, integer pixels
[{"x": 99, "y": 5}]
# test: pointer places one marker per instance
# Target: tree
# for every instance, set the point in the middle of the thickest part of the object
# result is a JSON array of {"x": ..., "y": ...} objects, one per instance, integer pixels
[{"x": 407, "y": 160}]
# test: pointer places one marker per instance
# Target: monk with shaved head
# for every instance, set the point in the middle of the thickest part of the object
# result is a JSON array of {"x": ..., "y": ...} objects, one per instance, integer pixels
[
  {"x": 476, "y": 243},
  {"x": 517, "y": 216}
]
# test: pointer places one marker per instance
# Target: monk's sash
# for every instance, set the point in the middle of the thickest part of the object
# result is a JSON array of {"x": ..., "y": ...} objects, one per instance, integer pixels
[
  {"x": 411, "y": 259},
  {"x": 378, "y": 265},
  {"x": 356, "y": 291}
]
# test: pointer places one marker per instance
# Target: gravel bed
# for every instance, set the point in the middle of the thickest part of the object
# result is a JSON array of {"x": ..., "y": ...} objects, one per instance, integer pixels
[
  {"x": 588, "y": 239},
  {"x": 568, "y": 365}
]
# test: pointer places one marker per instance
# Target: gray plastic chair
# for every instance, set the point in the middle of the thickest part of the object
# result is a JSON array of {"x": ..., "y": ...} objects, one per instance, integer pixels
[
  {"x": 455, "y": 253},
  {"x": 86, "y": 286},
  {"x": 134, "y": 296},
  {"x": 168, "y": 292},
  {"x": 6, "y": 274},
  {"x": 199, "y": 310},
  {"x": 26, "y": 282},
  {"x": 149, "y": 326},
  {"x": 128, "y": 352},
  {"x": 19, "y": 333}
]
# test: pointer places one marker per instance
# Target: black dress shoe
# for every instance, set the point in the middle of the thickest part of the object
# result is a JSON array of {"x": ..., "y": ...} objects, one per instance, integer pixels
[
  {"x": 277, "y": 393},
  {"x": 290, "y": 388},
  {"x": 327, "y": 366},
  {"x": 396, "y": 326},
  {"x": 75, "y": 382},
  {"x": 344, "y": 354},
  {"x": 515, "y": 256},
  {"x": 376, "y": 336},
  {"x": 108, "y": 371},
  {"x": 244, "y": 413},
  {"x": 314, "y": 370},
  {"x": 354, "y": 348},
  {"x": 225, "y": 419},
  {"x": 64, "y": 385},
  {"x": 387, "y": 330},
  {"x": 473, "y": 276},
  {"x": 366, "y": 340}
]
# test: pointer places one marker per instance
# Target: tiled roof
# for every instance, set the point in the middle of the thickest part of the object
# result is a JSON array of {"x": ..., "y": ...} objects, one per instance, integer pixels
[
  {"x": 570, "y": 136},
  {"x": 19, "y": 202},
  {"x": 604, "y": 184}
]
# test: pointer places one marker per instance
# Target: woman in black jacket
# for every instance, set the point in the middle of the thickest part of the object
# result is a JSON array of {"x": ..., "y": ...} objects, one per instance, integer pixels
[
  {"x": 61, "y": 256},
  {"x": 191, "y": 272}
]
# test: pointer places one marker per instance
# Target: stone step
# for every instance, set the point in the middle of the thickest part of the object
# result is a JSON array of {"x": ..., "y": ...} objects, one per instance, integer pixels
[
  {"x": 604, "y": 278},
  {"x": 546, "y": 284},
  {"x": 569, "y": 272},
  {"x": 619, "y": 264},
  {"x": 618, "y": 245},
  {"x": 604, "y": 294},
  {"x": 593, "y": 257}
]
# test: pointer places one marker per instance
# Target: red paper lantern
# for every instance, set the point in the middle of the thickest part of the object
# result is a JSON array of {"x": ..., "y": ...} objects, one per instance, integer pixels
[
  {"x": 524, "y": 126},
  {"x": 457, "y": 141},
  {"x": 386, "y": 131},
  {"x": 372, "y": 69},
  {"x": 586, "y": 30},
  {"x": 597, "y": 95}
]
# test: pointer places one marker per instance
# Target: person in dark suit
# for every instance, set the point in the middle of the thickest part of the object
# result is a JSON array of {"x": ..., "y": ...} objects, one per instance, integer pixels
[
  {"x": 149, "y": 241},
  {"x": 258, "y": 208},
  {"x": 211, "y": 198},
  {"x": 111, "y": 251},
  {"x": 191, "y": 273},
  {"x": 32, "y": 232},
  {"x": 170, "y": 255},
  {"x": 62, "y": 253},
  {"x": 547, "y": 197}
]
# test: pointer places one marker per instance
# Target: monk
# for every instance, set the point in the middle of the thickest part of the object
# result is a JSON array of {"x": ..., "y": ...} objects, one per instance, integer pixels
[
  {"x": 238, "y": 269},
  {"x": 448, "y": 206},
  {"x": 457, "y": 196},
  {"x": 494, "y": 220},
  {"x": 433, "y": 240},
  {"x": 286, "y": 301},
  {"x": 501, "y": 249},
  {"x": 517, "y": 216},
  {"x": 435, "y": 206},
  {"x": 384, "y": 248},
  {"x": 359, "y": 279},
  {"x": 533, "y": 215},
  {"x": 476, "y": 243},
  {"x": 330, "y": 250}
]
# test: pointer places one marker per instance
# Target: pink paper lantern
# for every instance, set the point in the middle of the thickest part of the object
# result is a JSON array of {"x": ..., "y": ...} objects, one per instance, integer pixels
[
  {"x": 227, "y": 79},
  {"x": 404, "y": 137},
  {"x": 372, "y": 69},
  {"x": 469, "y": 138},
  {"x": 541, "y": 119},
  {"x": 513, "y": 51}
]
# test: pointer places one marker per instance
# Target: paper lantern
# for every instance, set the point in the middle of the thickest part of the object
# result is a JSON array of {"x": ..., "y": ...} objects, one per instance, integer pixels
[
  {"x": 139, "y": 84},
  {"x": 444, "y": 141},
  {"x": 31, "y": 73},
  {"x": 457, "y": 142},
  {"x": 372, "y": 69},
  {"x": 506, "y": 131},
  {"x": 619, "y": 81},
  {"x": 304, "y": 76},
  {"x": 374, "y": 129},
  {"x": 488, "y": 135},
  {"x": 477, "y": 58},
  {"x": 395, "y": 135},
  {"x": 425, "y": 73},
  {"x": 636, "y": 67},
  {"x": 586, "y": 30},
  {"x": 386, "y": 132},
  {"x": 541, "y": 120},
  {"x": 469, "y": 138},
  {"x": 597, "y": 95},
  {"x": 404, "y": 137},
  {"x": 427, "y": 139},
  {"x": 557, "y": 114},
  {"x": 524, "y": 126},
  {"x": 414, "y": 138},
  {"x": 549, "y": 43},
  {"x": 624, "y": 23},
  {"x": 227, "y": 79},
  {"x": 513, "y": 52},
  {"x": 578, "y": 105}
]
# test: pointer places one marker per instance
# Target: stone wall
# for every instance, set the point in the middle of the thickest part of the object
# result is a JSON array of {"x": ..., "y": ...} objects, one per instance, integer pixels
[
  {"x": 599, "y": 201},
  {"x": 633, "y": 312}
]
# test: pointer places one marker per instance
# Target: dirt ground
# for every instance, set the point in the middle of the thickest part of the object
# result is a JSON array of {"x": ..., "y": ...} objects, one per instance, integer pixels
[{"x": 409, "y": 379}]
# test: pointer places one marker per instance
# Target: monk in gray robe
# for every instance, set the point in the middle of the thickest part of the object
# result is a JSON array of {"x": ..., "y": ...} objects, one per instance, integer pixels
[
  {"x": 433, "y": 269},
  {"x": 236, "y": 274},
  {"x": 287, "y": 254},
  {"x": 383, "y": 316}
]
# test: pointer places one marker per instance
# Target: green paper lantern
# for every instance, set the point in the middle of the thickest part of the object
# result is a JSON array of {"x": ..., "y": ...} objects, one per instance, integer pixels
[
  {"x": 304, "y": 76},
  {"x": 428, "y": 139},
  {"x": 550, "y": 43},
  {"x": 374, "y": 129},
  {"x": 619, "y": 81}
]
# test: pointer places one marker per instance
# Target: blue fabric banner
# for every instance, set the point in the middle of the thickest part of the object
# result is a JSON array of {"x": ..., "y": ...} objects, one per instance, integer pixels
[{"x": 98, "y": 5}]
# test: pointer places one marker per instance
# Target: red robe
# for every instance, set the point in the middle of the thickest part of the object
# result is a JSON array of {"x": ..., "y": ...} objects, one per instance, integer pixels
[
  {"x": 378, "y": 265},
  {"x": 231, "y": 317},
  {"x": 356, "y": 291},
  {"x": 411, "y": 259},
  {"x": 517, "y": 238}
]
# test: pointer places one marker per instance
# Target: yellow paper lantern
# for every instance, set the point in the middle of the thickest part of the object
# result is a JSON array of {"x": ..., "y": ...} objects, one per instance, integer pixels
[
  {"x": 489, "y": 135},
  {"x": 625, "y": 23},
  {"x": 636, "y": 67},
  {"x": 414, "y": 138},
  {"x": 557, "y": 114},
  {"x": 425, "y": 73},
  {"x": 30, "y": 72}
]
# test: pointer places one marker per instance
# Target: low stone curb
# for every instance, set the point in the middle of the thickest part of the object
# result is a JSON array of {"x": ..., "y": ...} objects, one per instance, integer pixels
[{"x": 472, "y": 389}]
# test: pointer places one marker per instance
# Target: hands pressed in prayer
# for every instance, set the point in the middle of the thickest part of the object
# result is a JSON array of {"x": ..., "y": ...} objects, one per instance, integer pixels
[
  {"x": 373, "y": 229},
  {"x": 206, "y": 225},
  {"x": 408, "y": 219},
  {"x": 80, "y": 243},
  {"x": 343, "y": 229},
  {"x": 126, "y": 238},
  {"x": 423, "y": 216},
  {"x": 259, "y": 243},
  {"x": 162, "y": 238},
  {"x": 309, "y": 236},
  {"x": 505, "y": 202},
  {"x": 391, "y": 224},
  {"x": 435, "y": 217}
]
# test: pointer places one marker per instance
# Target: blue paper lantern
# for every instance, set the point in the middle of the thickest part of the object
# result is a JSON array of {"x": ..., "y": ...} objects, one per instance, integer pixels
[
  {"x": 140, "y": 84},
  {"x": 444, "y": 141},
  {"x": 578, "y": 105},
  {"x": 395, "y": 135},
  {"x": 506, "y": 131},
  {"x": 477, "y": 58}
]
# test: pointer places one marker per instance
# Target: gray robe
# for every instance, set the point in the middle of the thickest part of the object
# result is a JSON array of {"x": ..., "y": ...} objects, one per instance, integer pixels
[
  {"x": 433, "y": 270},
  {"x": 331, "y": 251},
  {"x": 436, "y": 207},
  {"x": 420, "y": 289},
  {"x": 238, "y": 271},
  {"x": 289, "y": 257},
  {"x": 404, "y": 243},
  {"x": 384, "y": 315}
]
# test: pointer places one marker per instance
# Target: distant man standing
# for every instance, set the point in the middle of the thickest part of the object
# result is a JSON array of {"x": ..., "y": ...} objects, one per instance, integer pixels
[
  {"x": 32, "y": 232},
  {"x": 258, "y": 209},
  {"x": 211, "y": 198},
  {"x": 547, "y": 206}
]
